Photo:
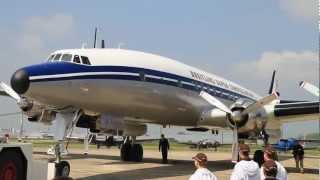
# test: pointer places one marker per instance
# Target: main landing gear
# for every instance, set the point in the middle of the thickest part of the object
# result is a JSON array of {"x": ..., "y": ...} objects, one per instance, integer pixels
[{"x": 130, "y": 151}]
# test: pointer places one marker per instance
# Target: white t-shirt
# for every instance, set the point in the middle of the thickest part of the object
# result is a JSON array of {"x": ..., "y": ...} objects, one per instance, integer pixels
[
  {"x": 203, "y": 174},
  {"x": 281, "y": 174},
  {"x": 245, "y": 170}
]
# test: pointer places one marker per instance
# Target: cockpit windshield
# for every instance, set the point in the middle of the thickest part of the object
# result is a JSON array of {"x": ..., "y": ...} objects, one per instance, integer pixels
[
  {"x": 57, "y": 57},
  {"x": 51, "y": 57},
  {"x": 66, "y": 57},
  {"x": 74, "y": 58}
]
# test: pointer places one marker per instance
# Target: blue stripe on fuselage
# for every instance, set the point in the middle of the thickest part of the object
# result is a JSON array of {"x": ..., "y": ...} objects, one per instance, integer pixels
[{"x": 60, "y": 68}]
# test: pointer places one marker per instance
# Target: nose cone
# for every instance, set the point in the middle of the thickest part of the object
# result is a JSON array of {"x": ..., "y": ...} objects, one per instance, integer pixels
[{"x": 20, "y": 81}]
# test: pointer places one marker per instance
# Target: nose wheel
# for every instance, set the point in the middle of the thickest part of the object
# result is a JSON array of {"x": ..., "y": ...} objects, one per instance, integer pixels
[{"x": 62, "y": 169}]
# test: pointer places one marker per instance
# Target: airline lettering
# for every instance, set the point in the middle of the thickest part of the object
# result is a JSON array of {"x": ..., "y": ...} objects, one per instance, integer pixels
[{"x": 219, "y": 83}]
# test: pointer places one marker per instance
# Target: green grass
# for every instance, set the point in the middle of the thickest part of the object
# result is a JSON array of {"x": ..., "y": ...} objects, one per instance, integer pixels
[{"x": 153, "y": 145}]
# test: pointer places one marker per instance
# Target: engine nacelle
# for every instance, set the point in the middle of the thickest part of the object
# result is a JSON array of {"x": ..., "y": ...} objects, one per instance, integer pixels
[
  {"x": 38, "y": 113},
  {"x": 251, "y": 123}
]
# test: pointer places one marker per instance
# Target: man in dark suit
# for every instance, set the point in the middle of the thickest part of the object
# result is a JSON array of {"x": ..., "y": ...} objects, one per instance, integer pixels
[
  {"x": 298, "y": 154},
  {"x": 164, "y": 147}
]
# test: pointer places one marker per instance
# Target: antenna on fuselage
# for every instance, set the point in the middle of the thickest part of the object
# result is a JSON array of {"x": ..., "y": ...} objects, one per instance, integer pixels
[
  {"x": 102, "y": 44},
  {"x": 95, "y": 37},
  {"x": 121, "y": 44}
]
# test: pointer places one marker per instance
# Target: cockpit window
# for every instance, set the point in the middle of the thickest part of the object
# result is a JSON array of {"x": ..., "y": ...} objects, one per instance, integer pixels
[
  {"x": 76, "y": 59},
  {"x": 85, "y": 60},
  {"x": 51, "y": 57},
  {"x": 66, "y": 57},
  {"x": 57, "y": 57}
]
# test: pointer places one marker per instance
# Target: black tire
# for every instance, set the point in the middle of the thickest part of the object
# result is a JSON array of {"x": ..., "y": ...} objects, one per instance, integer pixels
[
  {"x": 125, "y": 152},
  {"x": 12, "y": 166},
  {"x": 137, "y": 153},
  {"x": 62, "y": 169}
]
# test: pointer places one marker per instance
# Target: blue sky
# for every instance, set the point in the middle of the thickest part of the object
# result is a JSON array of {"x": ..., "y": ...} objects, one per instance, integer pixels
[{"x": 240, "y": 40}]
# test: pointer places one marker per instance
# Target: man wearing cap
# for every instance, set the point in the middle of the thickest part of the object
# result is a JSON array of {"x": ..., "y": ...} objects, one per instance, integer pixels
[
  {"x": 202, "y": 173},
  {"x": 271, "y": 154},
  {"x": 270, "y": 170},
  {"x": 245, "y": 169}
]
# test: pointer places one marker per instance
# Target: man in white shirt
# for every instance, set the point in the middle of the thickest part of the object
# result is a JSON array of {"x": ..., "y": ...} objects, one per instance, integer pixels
[
  {"x": 202, "y": 173},
  {"x": 245, "y": 169},
  {"x": 271, "y": 154}
]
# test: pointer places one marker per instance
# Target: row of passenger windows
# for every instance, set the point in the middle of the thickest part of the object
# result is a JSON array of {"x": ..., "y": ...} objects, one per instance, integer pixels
[{"x": 69, "y": 58}]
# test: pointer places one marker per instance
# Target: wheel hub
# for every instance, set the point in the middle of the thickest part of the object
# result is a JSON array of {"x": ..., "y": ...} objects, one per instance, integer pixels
[{"x": 9, "y": 172}]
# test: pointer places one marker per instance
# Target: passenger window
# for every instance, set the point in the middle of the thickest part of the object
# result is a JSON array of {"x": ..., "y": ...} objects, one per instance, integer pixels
[
  {"x": 85, "y": 60},
  {"x": 51, "y": 57},
  {"x": 66, "y": 57},
  {"x": 57, "y": 57},
  {"x": 76, "y": 59}
]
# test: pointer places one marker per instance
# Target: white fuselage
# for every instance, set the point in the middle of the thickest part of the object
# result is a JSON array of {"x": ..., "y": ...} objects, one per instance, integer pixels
[{"x": 138, "y": 86}]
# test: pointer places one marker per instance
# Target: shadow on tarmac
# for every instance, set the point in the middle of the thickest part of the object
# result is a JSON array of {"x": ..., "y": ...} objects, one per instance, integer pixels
[{"x": 173, "y": 169}]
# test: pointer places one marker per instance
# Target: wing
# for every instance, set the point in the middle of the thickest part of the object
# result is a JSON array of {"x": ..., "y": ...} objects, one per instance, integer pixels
[{"x": 297, "y": 111}]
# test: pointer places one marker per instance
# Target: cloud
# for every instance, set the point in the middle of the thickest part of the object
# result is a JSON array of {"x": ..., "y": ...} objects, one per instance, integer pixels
[
  {"x": 291, "y": 67},
  {"x": 306, "y": 10},
  {"x": 38, "y": 32},
  {"x": 28, "y": 42},
  {"x": 55, "y": 26},
  {"x": 32, "y": 39}
]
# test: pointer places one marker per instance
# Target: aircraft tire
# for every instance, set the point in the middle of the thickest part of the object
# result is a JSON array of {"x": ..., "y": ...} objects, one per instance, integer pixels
[
  {"x": 62, "y": 169},
  {"x": 11, "y": 165},
  {"x": 125, "y": 152},
  {"x": 137, "y": 153}
]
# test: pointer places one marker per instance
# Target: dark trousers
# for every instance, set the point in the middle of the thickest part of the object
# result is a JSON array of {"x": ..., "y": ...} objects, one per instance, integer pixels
[
  {"x": 164, "y": 155},
  {"x": 299, "y": 162}
]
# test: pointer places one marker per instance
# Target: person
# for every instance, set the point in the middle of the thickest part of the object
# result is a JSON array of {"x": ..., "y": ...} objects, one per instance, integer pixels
[
  {"x": 164, "y": 148},
  {"x": 271, "y": 154},
  {"x": 202, "y": 173},
  {"x": 298, "y": 155},
  {"x": 270, "y": 170},
  {"x": 246, "y": 168},
  {"x": 258, "y": 157}
]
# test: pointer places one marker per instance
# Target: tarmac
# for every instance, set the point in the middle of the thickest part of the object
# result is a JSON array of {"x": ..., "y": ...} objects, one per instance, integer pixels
[{"x": 105, "y": 164}]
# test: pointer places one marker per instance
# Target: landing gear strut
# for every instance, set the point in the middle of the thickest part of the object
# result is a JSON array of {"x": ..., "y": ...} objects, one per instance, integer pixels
[
  {"x": 130, "y": 151},
  {"x": 62, "y": 167},
  {"x": 64, "y": 126},
  {"x": 264, "y": 136}
]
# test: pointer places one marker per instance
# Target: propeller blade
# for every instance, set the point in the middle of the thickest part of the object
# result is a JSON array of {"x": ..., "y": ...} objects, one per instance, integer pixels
[
  {"x": 215, "y": 102},
  {"x": 272, "y": 82},
  {"x": 310, "y": 88},
  {"x": 235, "y": 145},
  {"x": 261, "y": 102},
  {"x": 10, "y": 91}
]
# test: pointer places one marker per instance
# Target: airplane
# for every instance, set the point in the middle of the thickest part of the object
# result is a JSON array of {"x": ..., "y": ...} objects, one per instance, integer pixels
[
  {"x": 118, "y": 91},
  {"x": 284, "y": 145}
]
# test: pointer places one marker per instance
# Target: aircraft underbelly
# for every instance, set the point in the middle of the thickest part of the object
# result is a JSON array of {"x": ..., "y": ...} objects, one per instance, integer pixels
[{"x": 142, "y": 101}]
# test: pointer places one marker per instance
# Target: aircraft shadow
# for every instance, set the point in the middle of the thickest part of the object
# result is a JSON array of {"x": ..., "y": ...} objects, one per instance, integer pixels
[
  {"x": 173, "y": 169},
  {"x": 306, "y": 170}
]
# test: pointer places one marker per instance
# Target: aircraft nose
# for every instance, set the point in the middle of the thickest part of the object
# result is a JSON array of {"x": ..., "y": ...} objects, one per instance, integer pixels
[{"x": 20, "y": 81}]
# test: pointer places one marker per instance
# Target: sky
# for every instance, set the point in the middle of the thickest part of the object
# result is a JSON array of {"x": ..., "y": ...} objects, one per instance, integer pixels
[{"x": 243, "y": 41}]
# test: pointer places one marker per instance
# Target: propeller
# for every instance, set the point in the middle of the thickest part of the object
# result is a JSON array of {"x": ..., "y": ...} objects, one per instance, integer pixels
[
  {"x": 236, "y": 116},
  {"x": 271, "y": 89},
  {"x": 10, "y": 91},
  {"x": 310, "y": 88}
]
